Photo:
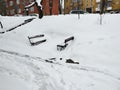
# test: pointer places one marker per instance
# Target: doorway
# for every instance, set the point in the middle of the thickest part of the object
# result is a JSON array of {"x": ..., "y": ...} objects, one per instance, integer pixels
[{"x": 89, "y": 10}]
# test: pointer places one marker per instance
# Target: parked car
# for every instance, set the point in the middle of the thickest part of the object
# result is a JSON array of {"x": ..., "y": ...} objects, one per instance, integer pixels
[
  {"x": 115, "y": 12},
  {"x": 77, "y": 12}
]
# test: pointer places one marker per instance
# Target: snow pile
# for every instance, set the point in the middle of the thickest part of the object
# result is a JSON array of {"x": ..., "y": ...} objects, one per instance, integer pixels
[{"x": 95, "y": 47}]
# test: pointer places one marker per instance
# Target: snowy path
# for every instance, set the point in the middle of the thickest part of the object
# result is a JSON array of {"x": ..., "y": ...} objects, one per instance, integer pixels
[{"x": 47, "y": 76}]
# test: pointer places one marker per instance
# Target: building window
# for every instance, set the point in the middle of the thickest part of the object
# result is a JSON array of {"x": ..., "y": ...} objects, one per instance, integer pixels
[
  {"x": 109, "y": 0},
  {"x": 74, "y": 1},
  {"x": 97, "y": 1},
  {"x": 109, "y": 4},
  {"x": 86, "y": 3},
  {"x": 12, "y": 12},
  {"x": 98, "y": 7},
  {"x": 7, "y": 12},
  {"x": 32, "y": 9},
  {"x": 19, "y": 10},
  {"x": 11, "y": 3},
  {"x": 7, "y": 5},
  {"x": 18, "y": 1},
  {"x": 117, "y": 2}
]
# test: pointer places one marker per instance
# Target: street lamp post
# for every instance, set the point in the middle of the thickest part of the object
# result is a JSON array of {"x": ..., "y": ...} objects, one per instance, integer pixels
[{"x": 102, "y": 8}]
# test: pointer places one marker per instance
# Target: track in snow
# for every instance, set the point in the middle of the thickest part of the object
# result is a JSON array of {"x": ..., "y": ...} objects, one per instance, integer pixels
[
  {"x": 11, "y": 29},
  {"x": 74, "y": 67}
]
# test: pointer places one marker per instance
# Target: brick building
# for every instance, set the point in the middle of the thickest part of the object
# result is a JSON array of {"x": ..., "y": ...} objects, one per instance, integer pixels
[
  {"x": 50, "y": 7},
  {"x": 17, "y": 7}
]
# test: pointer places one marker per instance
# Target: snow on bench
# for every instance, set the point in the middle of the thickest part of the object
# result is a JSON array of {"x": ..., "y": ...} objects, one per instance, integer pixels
[
  {"x": 71, "y": 61},
  {"x": 69, "y": 39},
  {"x": 37, "y": 39},
  {"x": 61, "y": 47}
]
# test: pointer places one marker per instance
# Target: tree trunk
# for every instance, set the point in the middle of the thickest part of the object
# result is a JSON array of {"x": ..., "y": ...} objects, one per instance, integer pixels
[{"x": 1, "y": 25}]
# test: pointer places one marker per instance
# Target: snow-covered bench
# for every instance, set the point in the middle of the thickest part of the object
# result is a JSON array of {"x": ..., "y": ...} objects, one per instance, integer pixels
[
  {"x": 71, "y": 61},
  {"x": 37, "y": 39},
  {"x": 65, "y": 44}
]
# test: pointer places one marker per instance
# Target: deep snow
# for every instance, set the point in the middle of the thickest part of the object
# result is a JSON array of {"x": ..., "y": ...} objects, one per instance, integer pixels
[{"x": 96, "y": 47}]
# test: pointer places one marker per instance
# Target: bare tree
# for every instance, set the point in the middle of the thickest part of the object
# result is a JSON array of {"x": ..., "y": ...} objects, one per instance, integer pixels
[
  {"x": 60, "y": 6},
  {"x": 50, "y": 6},
  {"x": 1, "y": 24},
  {"x": 102, "y": 8},
  {"x": 38, "y": 8},
  {"x": 78, "y": 7}
]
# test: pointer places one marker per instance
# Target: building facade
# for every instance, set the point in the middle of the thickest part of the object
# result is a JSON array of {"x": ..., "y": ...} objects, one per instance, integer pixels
[
  {"x": 91, "y": 6},
  {"x": 111, "y": 5},
  {"x": 116, "y": 5},
  {"x": 50, "y": 7},
  {"x": 15, "y": 7},
  {"x": 72, "y": 5},
  {"x": 2, "y": 7},
  {"x": 53, "y": 7},
  {"x": 85, "y": 5}
]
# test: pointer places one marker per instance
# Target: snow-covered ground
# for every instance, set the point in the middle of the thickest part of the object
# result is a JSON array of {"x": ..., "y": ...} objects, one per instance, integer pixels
[{"x": 96, "y": 47}]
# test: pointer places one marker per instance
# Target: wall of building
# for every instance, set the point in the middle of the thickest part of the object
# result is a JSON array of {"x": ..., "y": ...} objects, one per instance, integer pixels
[
  {"x": 17, "y": 7},
  {"x": 96, "y": 6},
  {"x": 55, "y": 8},
  {"x": 91, "y": 6},
  {"x": 72, "y": 5},
  {"x": 116, "y": 4},
  {"x": 66, "y": 6},
  {"x": 112, "y": 5},
  {"x": 87, "y": 5},
  {"x": 50, "y": 7}
]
